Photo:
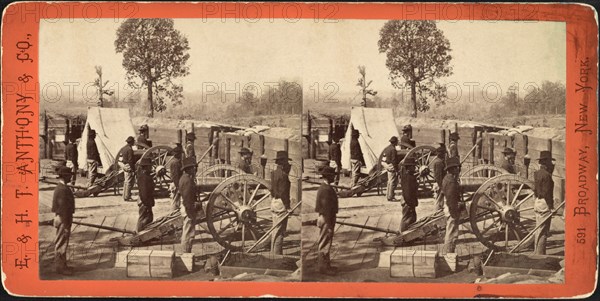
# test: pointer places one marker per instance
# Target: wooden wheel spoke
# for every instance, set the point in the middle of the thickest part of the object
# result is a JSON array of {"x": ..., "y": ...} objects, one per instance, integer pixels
[
  {"x": 506, "y": 236},
  {"x": 527, "y": 218},
  {"x": 244, "y": 193},
  {"x": 517, "y": 194},
  {"x": 526, "y": 209},
  {"x": 225, "y": 228},
  {"x": 260, "y": 200},
  {"x": 262, "y": 209},
  {"x": 485, "y": 230},
  {"x": 253, "y": 194},
  {"x": 492, "y": 200},
  {"x": 229, "y": 200},
  {"x": 523, "y": 200},
  {"x": 223, "y": 208}
]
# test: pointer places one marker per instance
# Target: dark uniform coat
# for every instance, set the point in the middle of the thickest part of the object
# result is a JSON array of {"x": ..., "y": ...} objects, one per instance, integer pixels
[
  {"x": 71, "y": 153},
  {"x": 327, "y": 201},
  {"x": 355, "y": 151},
  {"x": 187, "y": 188},
  {"x": 391, "y": 156},
  {"x": 146, "y": 188},
  {"x": 128, "y": 159},
  {"x": 405, "y": 141},
  {"x": 544, "y": 187},
  {"x": 176, "y": 172},
  {"x": 280, "y": 186},
  {"x": 508, "y": 167},
  {"x": 439, "y": 170},
  {"x": 409, "y": 184},
  {"x": 92, "y": 150},
  {"x": 245, "y": 167},
  {"x": 63, "y": 201},
  {"x": 451, "y": 191},
  {"x": 141, "y": 139},
  {"x": 335, "y": 153}
]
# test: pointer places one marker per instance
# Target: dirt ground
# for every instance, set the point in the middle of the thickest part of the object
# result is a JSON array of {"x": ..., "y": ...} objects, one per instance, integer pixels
[
  {"x": 92, "y": 251},
  {"x": 355, "y": 252}
]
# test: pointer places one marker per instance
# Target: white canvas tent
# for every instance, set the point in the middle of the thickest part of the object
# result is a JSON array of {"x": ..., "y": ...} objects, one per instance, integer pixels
[
  {"x": 376, "y": 127},
  {"x": 112, "y": 126}
]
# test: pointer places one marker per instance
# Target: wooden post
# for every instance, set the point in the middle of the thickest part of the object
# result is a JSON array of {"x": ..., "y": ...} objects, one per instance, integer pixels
[
  {"x": 549, "y": 147},
  {"x": 491, "y": 154},
  {"x": 68, "y": 131},
  {"x": 228, "y": 151},
  {"x": 179, "y": 136},
  {"x": 46, "y": 135},
  {"x": 443, "y": 136},
  {"x": 476, "y": 144},
  {"x": 310, "y": 139},
  {"x": 330, "y": 136},
  {"x": 215, "y": 150},
  {"x": 262, "y": 153},
  {"x": 286, "y": 145},
  {"x": 456, "y": 127}
]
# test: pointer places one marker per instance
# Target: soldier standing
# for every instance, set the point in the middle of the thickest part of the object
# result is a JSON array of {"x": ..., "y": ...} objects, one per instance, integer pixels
[
  {"x": 146, "y": 188},
  {"x": 509, "y": 160},
  {"x": 71, "y": 155},
  {"x": 63, "y": 206},
  {"x": 175, "y": 170},
  {"x": 405, "y": 141},
  {"x": 544, "y": 202},
  {"x": 142, "y": 138},
  {"x": 128, "y": 166},
  {"x": 439, "y": 172},
  {"x": 190, "y": 151},
  {"x": 245, "y": 163},
  {"x": 453, "y": 137},
  {"x": 356, "y": 157},
  {"x": 93, "y": 157},
  {"x": 187, "y": 188},
  {"x": 451, "y": 191},
  {"x": 389, "y": 161},
  {"x": 409, "y": 193},
  {"x": 335, "y": 158},
  {"x": 280, "y": 204},
  {"x": 327, "y": 207}
]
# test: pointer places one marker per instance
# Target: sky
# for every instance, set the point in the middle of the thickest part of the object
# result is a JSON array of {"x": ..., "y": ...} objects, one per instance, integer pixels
[{"x": 315, "y": 53}]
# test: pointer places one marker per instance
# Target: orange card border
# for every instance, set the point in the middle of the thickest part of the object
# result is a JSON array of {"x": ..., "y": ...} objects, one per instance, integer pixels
[{"x": 22, "y": 18}]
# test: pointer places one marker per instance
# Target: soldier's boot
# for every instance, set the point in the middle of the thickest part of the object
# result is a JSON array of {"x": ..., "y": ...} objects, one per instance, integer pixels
[
  {"x": 323, "y": 267},
  {"x": 328, "y": 262}
]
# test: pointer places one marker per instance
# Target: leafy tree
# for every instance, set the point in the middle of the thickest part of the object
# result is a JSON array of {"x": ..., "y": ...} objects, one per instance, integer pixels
[
  {"x": 418, "y": 53},
  {"x": 155, "y": 53}
]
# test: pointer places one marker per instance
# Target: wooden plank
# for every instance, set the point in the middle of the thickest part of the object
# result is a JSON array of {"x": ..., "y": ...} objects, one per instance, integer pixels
[
  {"x": 370, "y": 253},
  {"x": 346, "y": 238}
]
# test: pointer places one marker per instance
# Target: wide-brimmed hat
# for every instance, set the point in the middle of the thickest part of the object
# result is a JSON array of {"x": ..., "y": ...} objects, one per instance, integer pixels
[
  {"x": 245, "y": 151},
  {"x": 407, "y": 128},
  {"x": 454, "y": 135},
  {"x": 143, "y": 128},
  {"x": 63, "y": 171},
  {"x": 546, "y": 155},
  {"x": 282, "y": 156},
  {"x": 327, "y": 171},
  {"x": 409, "y": 161},
  {"x": 508, "y": 150},
  {"x": 190, "y": 136},
  {"x": 394, "y": 139},
  {"x": 452, "y": 162},
  {"x": 145, "y": 162},
  {"x": 188, "y": 162},
  {"x": 130, "y": 139},
  {"x": 355, "y": 133}
]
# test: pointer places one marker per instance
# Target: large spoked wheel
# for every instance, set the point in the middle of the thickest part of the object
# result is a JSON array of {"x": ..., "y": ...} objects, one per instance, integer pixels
[
  {"x": 161, "y": 158},
  {"x": 424, "y": 155},
  {"x": 501, "y": 212},
  {"x": 238, "y": 212},
  {"x": 484, "y": 171}
]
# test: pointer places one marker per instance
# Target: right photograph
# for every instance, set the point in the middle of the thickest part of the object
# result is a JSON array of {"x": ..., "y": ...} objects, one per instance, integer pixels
[{"x": 434, "y": 151}]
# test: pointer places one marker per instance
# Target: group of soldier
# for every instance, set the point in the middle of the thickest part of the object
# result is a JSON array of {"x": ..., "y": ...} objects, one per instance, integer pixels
[
  {"x": 182, "y": 169},
  {"x": 446, "y": 168}
]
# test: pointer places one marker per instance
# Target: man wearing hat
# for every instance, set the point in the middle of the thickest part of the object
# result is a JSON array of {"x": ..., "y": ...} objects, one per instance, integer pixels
[
  {"x": 335, "y": 157},
  {"x": 280, "y": 203},
  {"x": 453, "y": 148},
  {"x": 63, "y": 206},
  {"x": 405, "y": 141},
  {"x": 93, "y": 157},
  {"x": 145, "y": 183},
  {"x": 175, "y": 171},
  {"x": 189, "y": 145},
  {"x": 408, "y": 181},
  {"x": 356, "y": 157},
  {"x": 187, "y": 188},
  {"x": 245, "y": 163},
  {"x": 544, "y": 202},
  {"x": 389, "y": 161},
  {"x": 451, "y": 191},
  {"x": 509, "y": 160},
  {"x": 439, "y": 172},
  {"x": 142, "y": 138},
  {"x": 327, "y": 207},
  {"x": 127, "y": 163},
  {"x": 71, "y": 156}
]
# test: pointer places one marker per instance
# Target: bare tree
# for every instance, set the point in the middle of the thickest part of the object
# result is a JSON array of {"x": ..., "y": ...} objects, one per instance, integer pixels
[{"x": 364, "y": 86}]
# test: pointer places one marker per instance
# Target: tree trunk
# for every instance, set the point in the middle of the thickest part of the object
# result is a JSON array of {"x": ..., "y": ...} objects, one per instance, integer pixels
[
  {"x": 150, "y": 101},
  {"x": 413, "y": 99}
]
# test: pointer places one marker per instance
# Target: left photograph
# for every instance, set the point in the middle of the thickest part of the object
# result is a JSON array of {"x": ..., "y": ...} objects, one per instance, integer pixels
[{"x": 169, "y": 150}]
